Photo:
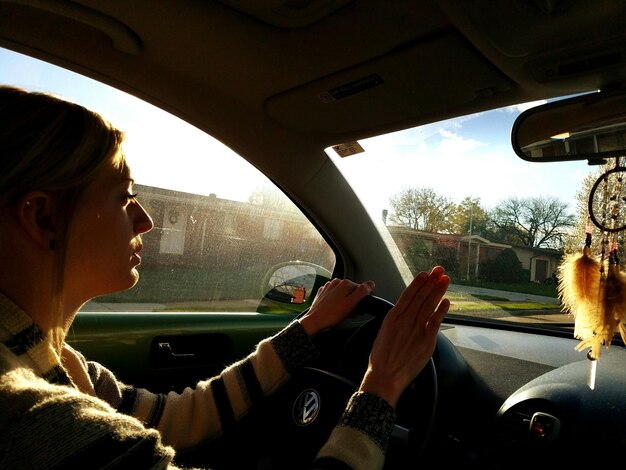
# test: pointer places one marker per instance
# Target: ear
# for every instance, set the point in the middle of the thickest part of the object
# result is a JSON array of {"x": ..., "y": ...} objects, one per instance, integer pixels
[{"x": 36, "y": 216}]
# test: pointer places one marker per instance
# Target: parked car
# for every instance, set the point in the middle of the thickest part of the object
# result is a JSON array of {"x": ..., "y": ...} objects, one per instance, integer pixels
[{"x": 279, "y": 144}]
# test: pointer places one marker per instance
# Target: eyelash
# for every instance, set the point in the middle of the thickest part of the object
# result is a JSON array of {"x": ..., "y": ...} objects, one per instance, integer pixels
[{"x": 129, "y": 197}]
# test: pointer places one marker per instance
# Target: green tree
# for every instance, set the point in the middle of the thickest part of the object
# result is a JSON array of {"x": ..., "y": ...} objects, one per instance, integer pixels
[
  {"x": 469, "y": 217},
  {"x": 422, "y": 209}
]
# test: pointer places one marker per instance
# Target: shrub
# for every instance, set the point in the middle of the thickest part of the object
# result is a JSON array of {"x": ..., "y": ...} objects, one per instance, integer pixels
[{"x": 506, "y": 267}]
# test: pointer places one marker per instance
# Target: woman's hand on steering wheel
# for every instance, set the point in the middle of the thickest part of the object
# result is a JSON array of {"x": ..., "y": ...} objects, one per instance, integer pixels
[
  {"x": 408, "y": 336},
  {"x": 398, "y": 354},
  {"x": 334, "y": 302}
]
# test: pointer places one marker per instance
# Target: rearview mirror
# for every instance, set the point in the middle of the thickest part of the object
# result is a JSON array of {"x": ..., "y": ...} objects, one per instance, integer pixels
[{"x": 587, "y": 127}]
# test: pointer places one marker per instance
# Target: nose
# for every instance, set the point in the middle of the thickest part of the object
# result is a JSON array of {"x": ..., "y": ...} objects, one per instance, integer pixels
[{"x": 143, "y": 222}]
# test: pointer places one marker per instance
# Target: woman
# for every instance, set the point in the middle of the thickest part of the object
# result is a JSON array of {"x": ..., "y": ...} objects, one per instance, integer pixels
[{"x": 71, "y": 231}]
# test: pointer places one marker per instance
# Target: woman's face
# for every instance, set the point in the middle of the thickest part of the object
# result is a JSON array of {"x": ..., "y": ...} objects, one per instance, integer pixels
[{"x": 105, "y": 237}]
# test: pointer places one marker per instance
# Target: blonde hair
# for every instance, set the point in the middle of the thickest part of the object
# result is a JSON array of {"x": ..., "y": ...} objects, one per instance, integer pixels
[{"x": 50, "y": 144}]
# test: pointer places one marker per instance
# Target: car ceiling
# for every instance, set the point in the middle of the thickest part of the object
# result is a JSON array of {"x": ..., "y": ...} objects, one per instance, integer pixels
[
  {"x": 280, "y": 80},
  {"x": 278, "y": 58}
]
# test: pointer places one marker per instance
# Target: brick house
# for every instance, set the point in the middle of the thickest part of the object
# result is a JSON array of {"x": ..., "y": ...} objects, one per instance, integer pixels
[{"x": 464, "y": 254}]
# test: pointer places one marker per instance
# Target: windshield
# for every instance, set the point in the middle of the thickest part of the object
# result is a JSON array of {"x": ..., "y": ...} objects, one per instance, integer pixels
[{"x": 454, "y": 193}]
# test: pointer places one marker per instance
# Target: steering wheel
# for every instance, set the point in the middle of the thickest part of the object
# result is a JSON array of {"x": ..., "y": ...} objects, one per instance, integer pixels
[{"x": 306, "y": 409}]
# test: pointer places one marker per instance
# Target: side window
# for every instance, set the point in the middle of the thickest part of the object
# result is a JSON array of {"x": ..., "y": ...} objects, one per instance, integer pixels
[
  {"x": 224, "y": 237},
  {"x": 207, "y": 253}
]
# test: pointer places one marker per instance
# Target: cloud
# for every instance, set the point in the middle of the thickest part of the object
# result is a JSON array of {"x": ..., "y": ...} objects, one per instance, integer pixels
[
  {"x": 518, "y": 108},
  {"x": 452, "y": 142}
]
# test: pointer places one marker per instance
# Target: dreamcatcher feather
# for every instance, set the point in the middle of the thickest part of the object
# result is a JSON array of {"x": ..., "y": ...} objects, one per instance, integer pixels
[
  {"x": 579, "y": 287},
  {"x": 594, "y": 290},
  {"x": 600, "y": 309},
  {"x": 613, "y": 303}
]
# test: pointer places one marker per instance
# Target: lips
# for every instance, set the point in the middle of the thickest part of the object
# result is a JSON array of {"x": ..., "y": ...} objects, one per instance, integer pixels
[{"x": 135, "y": 254}]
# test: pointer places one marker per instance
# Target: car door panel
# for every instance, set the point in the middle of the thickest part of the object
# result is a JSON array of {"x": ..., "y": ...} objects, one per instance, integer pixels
[{"x": 168, "y": 351}]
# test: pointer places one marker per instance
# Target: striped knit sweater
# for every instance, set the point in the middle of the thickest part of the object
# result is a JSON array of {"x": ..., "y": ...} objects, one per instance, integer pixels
[{"x": 67, "y": 412}]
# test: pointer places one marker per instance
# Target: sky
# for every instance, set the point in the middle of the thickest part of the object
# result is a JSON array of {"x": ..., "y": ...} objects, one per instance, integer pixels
[
  {"x": 417, "y": 157},
  {"x": 467, "y": 156}
]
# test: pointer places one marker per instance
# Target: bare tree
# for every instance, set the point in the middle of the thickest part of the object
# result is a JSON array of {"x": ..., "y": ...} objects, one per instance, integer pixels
[
  {"x": 422, "y": 209},
  {"x": 541, "y": 222}
]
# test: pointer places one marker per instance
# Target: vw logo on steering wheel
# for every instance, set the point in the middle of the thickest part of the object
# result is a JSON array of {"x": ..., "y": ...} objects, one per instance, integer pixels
[{"x": 306, "y": 407}]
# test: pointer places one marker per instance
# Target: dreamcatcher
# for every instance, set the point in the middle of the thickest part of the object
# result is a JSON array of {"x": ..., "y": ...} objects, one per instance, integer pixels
[{"x": 593, "y": 287}]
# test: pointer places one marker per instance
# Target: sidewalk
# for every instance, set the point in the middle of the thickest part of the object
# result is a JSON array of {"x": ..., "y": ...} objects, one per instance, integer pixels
[{"x": 514, "y": 296}]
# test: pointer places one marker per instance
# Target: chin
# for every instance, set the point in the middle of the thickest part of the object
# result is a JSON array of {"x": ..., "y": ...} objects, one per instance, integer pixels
[
  {"x": 130, "y": 281},
  {"x": 134, "y": 278}
]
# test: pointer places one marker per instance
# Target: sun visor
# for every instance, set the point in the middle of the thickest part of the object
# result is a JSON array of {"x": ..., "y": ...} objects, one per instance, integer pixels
[{"x": 388, "y": 90}]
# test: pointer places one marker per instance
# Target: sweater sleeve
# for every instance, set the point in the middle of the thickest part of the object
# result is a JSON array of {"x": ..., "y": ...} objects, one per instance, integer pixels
[
  {"x": 359, "y": 440},
  {"x": 361, "y": 437},
  {"x": 213, "y": 406},
  {"x": 54, "y": 426}
]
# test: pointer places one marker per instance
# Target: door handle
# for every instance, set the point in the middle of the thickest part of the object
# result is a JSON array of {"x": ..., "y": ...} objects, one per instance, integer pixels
[{"x": 165, "y": 350}]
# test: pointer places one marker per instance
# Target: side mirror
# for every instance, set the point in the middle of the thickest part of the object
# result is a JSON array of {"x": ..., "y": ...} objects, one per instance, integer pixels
[
  {"x": 587, "y": 127},
  {"x": 291, "y": 287}
]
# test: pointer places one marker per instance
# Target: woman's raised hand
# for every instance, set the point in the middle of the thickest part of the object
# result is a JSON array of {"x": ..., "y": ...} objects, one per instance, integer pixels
[{"x": 408, "y": 336}]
